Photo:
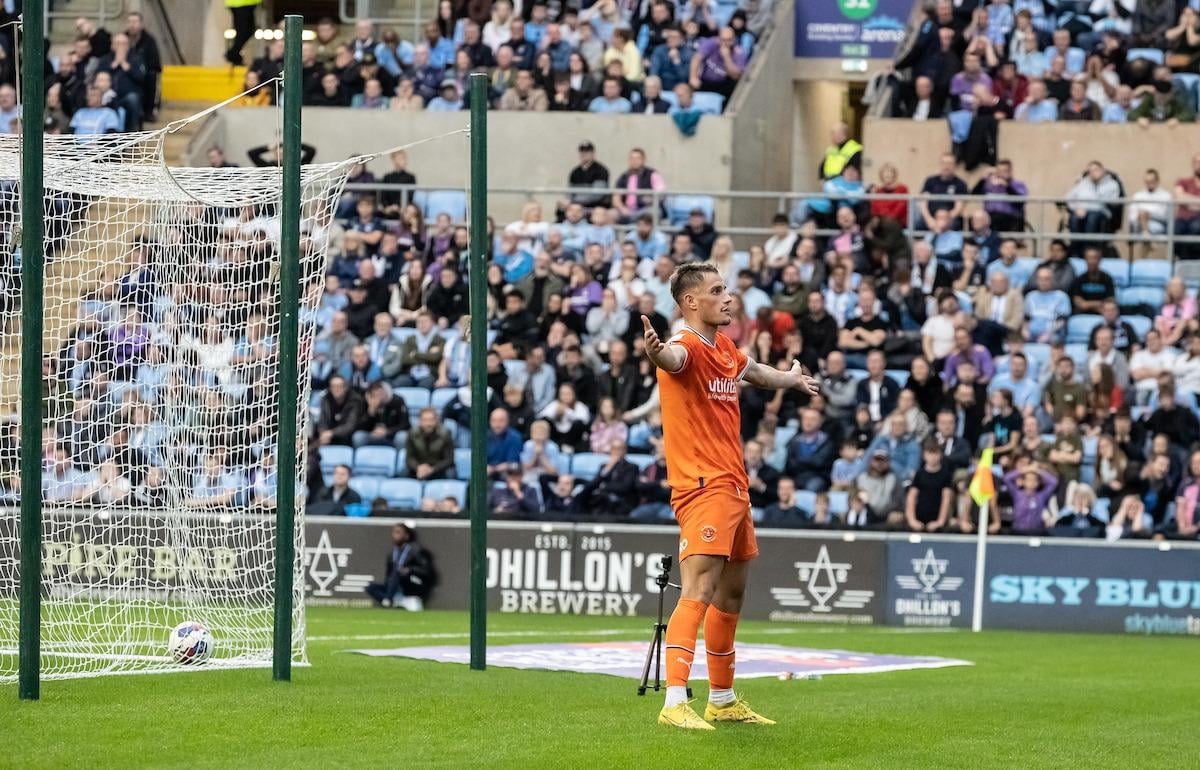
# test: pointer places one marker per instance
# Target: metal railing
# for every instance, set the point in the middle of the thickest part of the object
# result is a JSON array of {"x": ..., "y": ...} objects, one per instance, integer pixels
[
  {"x": 1046, "y": 217},
  {"x": 104, "y": 10}
]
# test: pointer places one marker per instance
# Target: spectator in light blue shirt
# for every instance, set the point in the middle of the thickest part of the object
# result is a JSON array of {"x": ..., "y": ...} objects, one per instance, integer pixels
[
  {"x": 900, "y": 446},
  {"x": 1000, "y": 23},
  {"x": 95, "y": 118},
  {"x": 650, "y": 243},
  {"x": 1117, "y": 111},
  {"x": 1037, "y": 107},
  {"x": 553, "y": 44},
  {"x": 1074, "y": 57},
  {"x": 1025, "y": 390},
  {"x": 1037, "y": 12},
  {"x": 516, "y": 263},
  {"x": 611, "y": 100},
  {"x": 441, "y": 49},
  {"x": 448, "y": 101},
  {"x": 574, "y": 230},
  {"x": 393, "y": 54},
  {"x": 1046, "y": 309}
]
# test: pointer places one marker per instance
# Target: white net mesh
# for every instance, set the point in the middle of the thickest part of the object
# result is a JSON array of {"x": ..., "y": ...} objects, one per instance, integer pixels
[{"x": 161, "y": 375}]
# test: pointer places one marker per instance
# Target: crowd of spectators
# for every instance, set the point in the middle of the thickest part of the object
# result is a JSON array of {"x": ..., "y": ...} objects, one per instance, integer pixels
[
  {"x": 104, "y": 83},
  {"x": 610, "y": 57},
  {"x": 1114, "y": 61}
]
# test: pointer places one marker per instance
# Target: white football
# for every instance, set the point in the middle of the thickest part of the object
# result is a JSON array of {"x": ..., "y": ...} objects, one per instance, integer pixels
[{"x": 191, "y": 643}]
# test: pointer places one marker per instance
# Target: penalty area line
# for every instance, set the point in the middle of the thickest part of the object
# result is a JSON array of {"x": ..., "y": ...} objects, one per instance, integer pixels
[{"x": 467, "y": 634}]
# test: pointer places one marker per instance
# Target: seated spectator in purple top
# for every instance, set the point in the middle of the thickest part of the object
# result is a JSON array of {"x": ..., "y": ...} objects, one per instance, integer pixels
[
  {"x": 962, "y": 85},
  {"x": 966, "y": 351},
  {"x": 1031, "y": 489},
  {"x": 583, "y": 292},
  {"x": 718, "y": 63},
  {"x": 128, "y": 341}
]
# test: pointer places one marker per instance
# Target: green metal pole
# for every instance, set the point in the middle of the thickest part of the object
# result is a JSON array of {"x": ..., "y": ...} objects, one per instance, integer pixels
[
  {"x": 289, "y": 312},
  {"x": 33, "y": 105},
  {"x": 478, "y": 291}
]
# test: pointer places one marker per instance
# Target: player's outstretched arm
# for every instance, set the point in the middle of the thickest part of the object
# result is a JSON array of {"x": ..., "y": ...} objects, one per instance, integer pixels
[
  {"x": 670, "y": 358},
  {"x": 765, "y": 376}
]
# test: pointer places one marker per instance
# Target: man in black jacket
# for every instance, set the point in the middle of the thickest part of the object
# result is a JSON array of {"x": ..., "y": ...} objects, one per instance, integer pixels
[
  {"x": 763, "y": 478},
  {"x": 144, "y": 44},
  {"x": 614, "y": 490},
  {"x": 333, "y": 499},
  {"x": 619, "y": 382},
  {"x": 341, "y": 412},
  {"x": 385, "y": 415},
  {"x": 409, "y": 574},
  {"x": 588, "y": 175}
]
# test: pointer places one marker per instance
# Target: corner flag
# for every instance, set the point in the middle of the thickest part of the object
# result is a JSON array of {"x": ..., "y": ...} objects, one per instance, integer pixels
[{"x": 982, "y": 486}]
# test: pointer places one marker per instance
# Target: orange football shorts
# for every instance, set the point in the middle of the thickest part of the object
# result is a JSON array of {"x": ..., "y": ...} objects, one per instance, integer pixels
[{"x": 715, "y": 521}]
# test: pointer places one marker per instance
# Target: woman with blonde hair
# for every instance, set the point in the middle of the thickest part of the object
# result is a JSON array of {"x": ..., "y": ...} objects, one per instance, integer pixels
[
  {"x": 722, "y": 258},
  {"x": 1178, "y": 314},
  {"x": 529, "y": 230},
  {"x": 608, "y": 427}
]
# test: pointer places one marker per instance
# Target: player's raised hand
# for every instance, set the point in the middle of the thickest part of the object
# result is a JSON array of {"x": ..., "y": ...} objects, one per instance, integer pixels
[
  {"x": 805, "y": 382},
  {"x": 654, "y": 346}
]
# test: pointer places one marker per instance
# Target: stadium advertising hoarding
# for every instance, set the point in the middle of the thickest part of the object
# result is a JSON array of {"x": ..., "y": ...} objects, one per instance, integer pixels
[
  {"x": 1078, "y": 588},
  {"x": 930, "y": 583},
  {"x": 850, "y": 29}
]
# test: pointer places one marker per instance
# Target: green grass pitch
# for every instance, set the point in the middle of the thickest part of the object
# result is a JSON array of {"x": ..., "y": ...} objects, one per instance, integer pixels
[{"x": 1030, "y": 700}]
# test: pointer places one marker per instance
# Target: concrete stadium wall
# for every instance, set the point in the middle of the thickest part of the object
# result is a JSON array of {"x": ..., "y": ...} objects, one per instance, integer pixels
[
  {"x": 526, "y": 150},
  {"x": 762, "y": 122},
  {"x": 1048, "y": 157}
]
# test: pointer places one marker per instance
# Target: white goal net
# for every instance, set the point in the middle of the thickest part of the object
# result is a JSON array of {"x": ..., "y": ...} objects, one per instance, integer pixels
[{"x": 161, "y": 368}]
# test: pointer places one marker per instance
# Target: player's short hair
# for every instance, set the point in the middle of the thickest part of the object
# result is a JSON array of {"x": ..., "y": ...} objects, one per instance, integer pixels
[{"x": 688, "y": 276}]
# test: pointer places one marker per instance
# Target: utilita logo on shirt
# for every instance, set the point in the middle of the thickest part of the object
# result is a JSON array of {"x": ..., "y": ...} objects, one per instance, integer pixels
[{"x": 722, "y": 389}]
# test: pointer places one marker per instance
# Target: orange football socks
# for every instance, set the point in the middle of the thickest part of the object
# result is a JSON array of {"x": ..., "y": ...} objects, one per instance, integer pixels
[
  {"x": 682, "y": 629},
  {"x": 719, "y": 630}
]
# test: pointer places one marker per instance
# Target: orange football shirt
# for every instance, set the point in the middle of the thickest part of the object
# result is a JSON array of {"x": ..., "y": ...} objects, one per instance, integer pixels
[{"x": 702, "y": 419}]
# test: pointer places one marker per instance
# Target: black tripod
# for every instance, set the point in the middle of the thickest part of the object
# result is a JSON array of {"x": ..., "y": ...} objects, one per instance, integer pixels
[{"x": 663, "y": 581}]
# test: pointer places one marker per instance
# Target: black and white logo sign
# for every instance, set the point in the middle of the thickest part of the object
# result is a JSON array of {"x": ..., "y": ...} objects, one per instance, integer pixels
[
  {"x": 927, "y": 581},
  {"x": 822, "y": 591}
]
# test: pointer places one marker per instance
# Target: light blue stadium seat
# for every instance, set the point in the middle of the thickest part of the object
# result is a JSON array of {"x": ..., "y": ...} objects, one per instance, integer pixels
[
  {"x": 1077, "y": 352},
  {"x": 679, "y": 206},
  {"x": 756, "y": 515},
  {"x": 585, "y": 465},
  {"x": 434, "y": 202},
  {"x": 1150, "y": 272},
  {"x": 1118, "y": 269},
  {"x": 401, "y": 493},
  {"x": 670, "y": 98},
  {"x": 1140, "y": 323},
  {"x": 641, "y": 461},
  {"x": 1024, "y": 270},
  {"x": 806, "y": 500},
  {"x": 374, "y": 461},
  {"x": 443, "y": 488},
  {"x": 858, "y": 375},
  {"x": 1087, "y": 473},
  {"x": 1089, "y": 448},
  {"x": 440, "y": 397},
  {"x": 839, "y": 503},
  {"x": 415, "y": 399},
  {"x": 333, "y": 456},
  {"x": 462, "y": 463},
  {"x": 401, "y": 333},
  {"x": 367, "y": 487},
  {"x": 741, "y": 259},
  {"x": 1150, "y": 54},
  {"x": 1078, "y": 264},
  {"x": 1103, "y": 506},
  {"x": 784, "y": 434},
  {"x": 1079, "y": 327},
  {"x": 708, "y": 102},
  {"x": 1141, "y": 295},
  {"x": 1038, "y": 355},
  {"x": 899, "y": 376}
]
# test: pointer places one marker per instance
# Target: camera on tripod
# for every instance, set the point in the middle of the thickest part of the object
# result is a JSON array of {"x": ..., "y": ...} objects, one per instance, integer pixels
[{"x": 654, "y": 654}]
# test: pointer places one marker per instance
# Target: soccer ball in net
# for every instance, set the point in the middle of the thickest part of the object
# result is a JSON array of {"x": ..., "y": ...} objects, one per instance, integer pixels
[{"x": 191, "y": 643}]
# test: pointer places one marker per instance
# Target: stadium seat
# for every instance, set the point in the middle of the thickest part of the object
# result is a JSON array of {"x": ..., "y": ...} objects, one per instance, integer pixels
[
  {"x": 462, "y": 463},
  {"x": 401, "y": 493},
  {"x": 1079, "y": 327},
  {"x": 1038, "y": 355},
  {"x": 434, "y": 202},
  {"x": 1118, "y": 269},
  {"x": 1151, "y": 296},
  {"x": 1089, "y": 448},
  {"x": 585, "y": 465},
  {"x": 440, "y": 397},
  {"x": 839, "y": 503},
  {"x": 641, "y": 461},
  {"x": 670, "y": 98},
  {"x": 1078, "y": 352},
  {"x": 1078, "y": 264},
  {"x": 741, "y": 259},
  {"x": 1140, "y": 323},
  {"x": 756, "y": 515},
  {"x": 708, "y": 103},
  {"x": 375, "y": 461},
  {"x": 1022, "y": 270},
  {"x": 367, "y": 487},
  {"x": 444, "y": 488},
  {"x": 784, "y": 434},
  {"x": 679, "y": 206},
  {"x": 858, "y": 375},
  {"x": 401, "y": 333},
  {"x": 1150, "y": 54},
  {"x": 1150, "y": 272},
  {"x": 806, "y": 500},
  {"x": 333, "y": 456},
  {"x": 415, "y": 399},
  {"x": 899, "y": 376}
]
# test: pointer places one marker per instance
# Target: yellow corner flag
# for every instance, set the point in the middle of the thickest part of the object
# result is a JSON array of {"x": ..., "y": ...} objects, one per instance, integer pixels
[{"x": 982, "y": 487}]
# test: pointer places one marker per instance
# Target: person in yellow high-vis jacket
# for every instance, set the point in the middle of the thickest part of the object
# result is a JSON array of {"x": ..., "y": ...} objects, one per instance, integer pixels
[
  {"x": 242, "y": 12},
  {"x": 843, "y": 152}
]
